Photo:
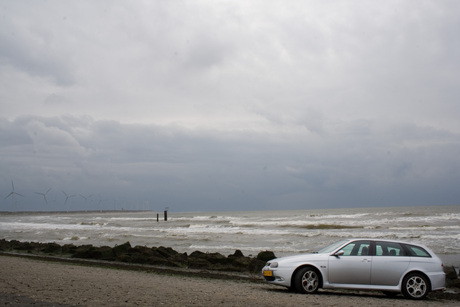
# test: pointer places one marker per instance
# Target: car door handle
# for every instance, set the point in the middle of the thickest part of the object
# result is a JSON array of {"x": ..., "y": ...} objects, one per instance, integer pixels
[{"x": 366, "y": 260}]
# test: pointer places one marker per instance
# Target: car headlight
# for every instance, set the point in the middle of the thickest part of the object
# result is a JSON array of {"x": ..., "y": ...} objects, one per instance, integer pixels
[{"x": 274, "y": 264}]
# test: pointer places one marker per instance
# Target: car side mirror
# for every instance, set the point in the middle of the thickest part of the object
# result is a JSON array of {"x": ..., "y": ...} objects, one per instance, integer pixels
[{"x": 339, "y": 253}]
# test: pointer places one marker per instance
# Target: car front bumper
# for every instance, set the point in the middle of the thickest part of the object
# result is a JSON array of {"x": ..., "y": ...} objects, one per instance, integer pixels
[{"x": 277, "y": 276}]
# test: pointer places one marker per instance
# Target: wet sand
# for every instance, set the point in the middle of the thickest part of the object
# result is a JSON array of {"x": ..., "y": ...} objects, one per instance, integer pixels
[{"x": 31, "y": 282}]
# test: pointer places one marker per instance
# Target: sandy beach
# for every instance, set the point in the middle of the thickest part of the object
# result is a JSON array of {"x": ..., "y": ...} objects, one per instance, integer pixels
[{"x": 32, "y": 282}]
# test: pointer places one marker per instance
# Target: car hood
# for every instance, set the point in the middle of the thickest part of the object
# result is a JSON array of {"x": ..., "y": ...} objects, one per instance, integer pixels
[{"x": 300, "y": 258}]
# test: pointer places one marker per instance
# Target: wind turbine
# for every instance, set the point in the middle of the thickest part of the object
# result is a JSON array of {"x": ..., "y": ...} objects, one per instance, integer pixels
[
  {"x": 44, "y": 196},
  {"x": 86, "y": 197},
  {"x": 12, "y": 194},
  {"x": 99, "y": 204},
  {"x": 67, "y": 198}
]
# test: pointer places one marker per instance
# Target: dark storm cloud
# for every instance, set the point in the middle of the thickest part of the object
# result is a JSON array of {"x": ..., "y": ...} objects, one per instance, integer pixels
[
  {"x": 195, "y": 169},
  {"x": 217, "y": 106}
]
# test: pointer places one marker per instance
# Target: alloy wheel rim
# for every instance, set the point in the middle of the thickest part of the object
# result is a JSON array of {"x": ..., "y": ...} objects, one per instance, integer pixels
[
  {"x": 310, "y": 281},
  {"x": 416, "y": 286}
]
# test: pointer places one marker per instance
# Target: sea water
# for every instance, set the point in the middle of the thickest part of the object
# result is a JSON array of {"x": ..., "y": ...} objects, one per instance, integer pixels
[{"x": 283, "y": 232}]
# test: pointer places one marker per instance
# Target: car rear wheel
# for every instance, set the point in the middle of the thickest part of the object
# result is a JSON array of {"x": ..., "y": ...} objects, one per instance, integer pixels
[
  {"x": 307, "y": 280},
  {"x": 415, "y": 286}
]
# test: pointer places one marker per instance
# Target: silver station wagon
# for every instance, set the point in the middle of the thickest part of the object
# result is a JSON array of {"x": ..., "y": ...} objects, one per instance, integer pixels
[{"x": 389, "y": 266}]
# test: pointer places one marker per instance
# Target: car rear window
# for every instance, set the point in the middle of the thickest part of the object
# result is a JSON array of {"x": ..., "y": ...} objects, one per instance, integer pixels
[{"x": 416, "y": 251}]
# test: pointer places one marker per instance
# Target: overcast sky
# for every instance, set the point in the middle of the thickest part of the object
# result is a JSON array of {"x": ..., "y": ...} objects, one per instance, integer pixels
[{"x": 229, "y": 105}]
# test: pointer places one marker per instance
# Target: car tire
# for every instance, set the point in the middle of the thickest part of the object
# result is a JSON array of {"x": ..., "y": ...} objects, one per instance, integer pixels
[
  {"x": 307, "y": 280},
  {"x": 415, "y": 286}
]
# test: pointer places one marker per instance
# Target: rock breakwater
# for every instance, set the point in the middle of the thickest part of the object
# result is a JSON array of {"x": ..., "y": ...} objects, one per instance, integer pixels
[{"x": 162, "y": 256}]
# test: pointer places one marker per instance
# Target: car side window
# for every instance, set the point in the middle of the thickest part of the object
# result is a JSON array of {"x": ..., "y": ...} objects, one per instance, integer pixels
[
  {"x": 417, "y": 251},
  {"x": 358, "y": 248},
  {"x": 388, "y": 249},
  {"x": 347, "y": 250}
]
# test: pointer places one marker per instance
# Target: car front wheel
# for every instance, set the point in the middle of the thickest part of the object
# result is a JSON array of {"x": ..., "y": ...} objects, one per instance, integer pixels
[
  {"x": 415, "y": 286},
  {"x": 307, "y": 280}
]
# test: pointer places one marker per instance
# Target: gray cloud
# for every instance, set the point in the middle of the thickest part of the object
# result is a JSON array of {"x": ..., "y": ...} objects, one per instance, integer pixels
[
  {"x": 217, "y": 106},
  {"x": 200, "y": 169},
  {"x": 31, "y": 50}
]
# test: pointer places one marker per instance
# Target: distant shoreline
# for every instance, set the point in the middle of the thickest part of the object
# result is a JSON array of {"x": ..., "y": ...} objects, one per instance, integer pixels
[{"x": 3, "y": 212}]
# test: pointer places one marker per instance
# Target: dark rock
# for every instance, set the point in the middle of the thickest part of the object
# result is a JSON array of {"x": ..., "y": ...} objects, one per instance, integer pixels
[
  {"x": 167, "y": 251},
  {"x": 452, "y": 279},
  {"x": 256, "y": 265},
  {"x": 198, "y": 263},
  {"x": 123, "y": 258},
  {"x": 4, "y": 245},
  {"x": 197, "y": 254},
  {"x": 51, "y": 248},
  {"x": 14, "y": 243},
  {"x": 215, "y": 258},
  {"x": 450, "y": 272},
  {"x": 153, "y": 256},
  {"x": 140, "y": 250},
  {"x": 164, "y": 256},
  {"x": 210, "y": 257},
  {"x": 138, "y": 254},
  {"x": 106, "y": 253},
  {"x": 164, "y": 262},
  {"x": 237, "y": 254},
  {"x": 239, "y": 262},
  {"x": 87, "y": 251},
  {"x": 454, "y": 283},
  {"x": 23, "y": 246},
  {"x": 156, "y": 253},
  {"x": 137, "y": 258},
  {"x": 266, "y": 256},
  {"x": 121, "y": 249},
  {"x": 180, "y": 260},
  {"x": 68, "y": 249},
  {"x": 216, "y": 261}
]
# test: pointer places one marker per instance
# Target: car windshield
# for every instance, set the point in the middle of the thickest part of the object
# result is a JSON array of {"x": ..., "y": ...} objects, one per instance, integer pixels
[{"x": 332, "y": 247}]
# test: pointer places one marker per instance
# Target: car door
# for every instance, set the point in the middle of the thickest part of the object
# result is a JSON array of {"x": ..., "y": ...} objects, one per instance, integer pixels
[
  {"x": 353, "y": 266},
  {"x": 388, "y": 264}
]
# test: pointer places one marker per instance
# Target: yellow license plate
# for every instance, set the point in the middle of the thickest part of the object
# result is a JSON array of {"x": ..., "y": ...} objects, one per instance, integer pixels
[{"x": 268, "y": 273}]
